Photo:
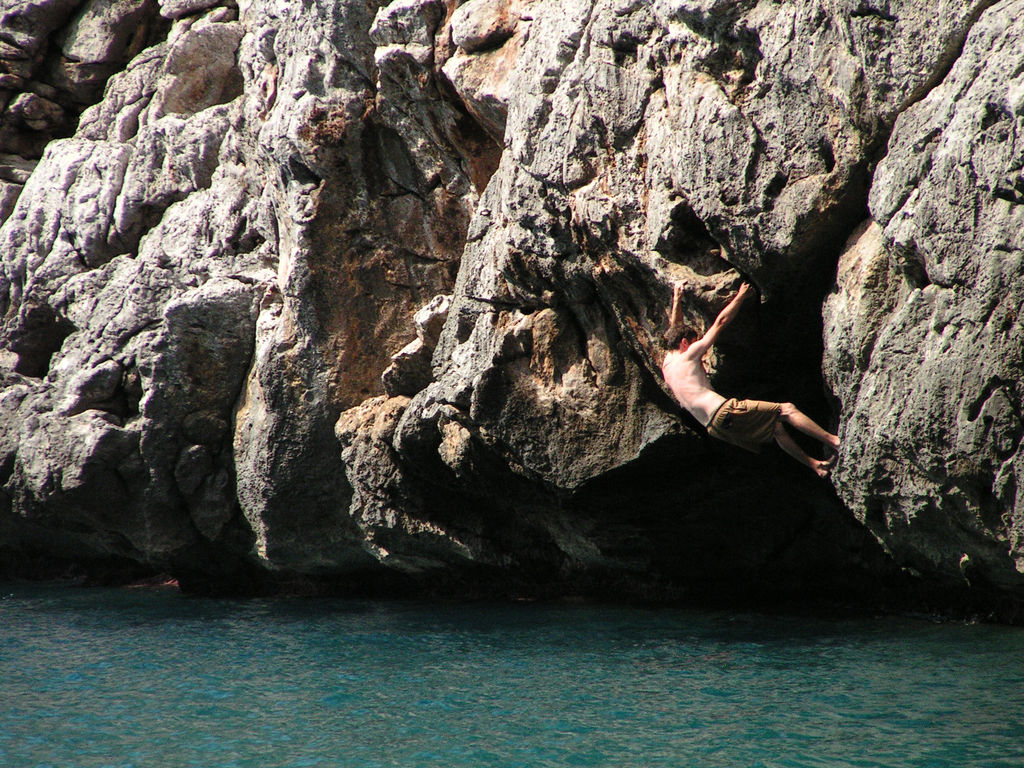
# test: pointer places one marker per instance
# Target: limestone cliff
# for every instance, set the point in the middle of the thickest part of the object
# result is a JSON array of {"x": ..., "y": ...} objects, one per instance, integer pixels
[{"x": 373, "y": 292}]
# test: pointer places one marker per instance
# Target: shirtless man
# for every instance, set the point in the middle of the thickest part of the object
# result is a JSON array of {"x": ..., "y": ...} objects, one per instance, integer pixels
[{"x": 746, "y": 423}]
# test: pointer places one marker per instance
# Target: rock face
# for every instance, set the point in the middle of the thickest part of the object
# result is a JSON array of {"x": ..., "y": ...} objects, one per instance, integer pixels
[
  {"x": 223, "y": 258},
  {"x": 55, "y": 58},
  {"x": 924, "y": 330},
  {"x": 216, "y": 362}
]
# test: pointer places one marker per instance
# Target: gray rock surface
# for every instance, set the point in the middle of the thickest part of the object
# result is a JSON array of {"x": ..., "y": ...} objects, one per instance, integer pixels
[
  {"x": 480, "y": 24},
  {"x": 175, "y": 9},
  {"x": 215, "y": 359},
  {"x": 370, "y": 192},
  {"x": 924, "y": 331},
  {"x": 130, "y": 297},
  {"x": 488, "y": 35},
  {"x": 411, "y": 367},
  {"x": 55, "y": 59}
]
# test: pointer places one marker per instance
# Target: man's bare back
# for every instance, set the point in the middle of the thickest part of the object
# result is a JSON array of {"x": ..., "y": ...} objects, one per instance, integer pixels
[
  {"x": 684, "y": 372},
  {"x": 683, "y": 367},
  {"x": 685, "y": 375}
]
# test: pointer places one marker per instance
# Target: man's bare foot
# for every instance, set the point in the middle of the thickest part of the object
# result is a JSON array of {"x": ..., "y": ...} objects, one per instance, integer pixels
[{"x": 831, "y": 447}]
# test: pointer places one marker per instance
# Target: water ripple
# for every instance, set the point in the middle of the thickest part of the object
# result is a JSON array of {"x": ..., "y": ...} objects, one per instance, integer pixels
[{"x": 108, "y": 678}]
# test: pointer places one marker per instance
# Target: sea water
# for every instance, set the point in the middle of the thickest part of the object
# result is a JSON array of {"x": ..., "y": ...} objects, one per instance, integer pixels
[{"x": 148, "y": 678}]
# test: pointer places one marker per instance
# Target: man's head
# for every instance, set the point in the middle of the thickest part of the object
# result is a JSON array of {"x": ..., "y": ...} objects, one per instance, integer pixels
[{"x": 679, "y": 337}]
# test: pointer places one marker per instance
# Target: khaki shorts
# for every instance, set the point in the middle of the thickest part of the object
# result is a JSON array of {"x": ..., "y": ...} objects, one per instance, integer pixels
[{"x": 746, "y": 423}]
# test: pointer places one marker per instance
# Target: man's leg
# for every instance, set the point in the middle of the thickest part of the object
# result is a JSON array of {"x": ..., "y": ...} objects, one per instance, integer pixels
[
  {"x": 797, "y": 419},
  {"x": 787, "y": 444}
]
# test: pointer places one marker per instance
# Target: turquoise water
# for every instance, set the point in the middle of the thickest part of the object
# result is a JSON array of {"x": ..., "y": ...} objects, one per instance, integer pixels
[{"x": 103, "y": 677}]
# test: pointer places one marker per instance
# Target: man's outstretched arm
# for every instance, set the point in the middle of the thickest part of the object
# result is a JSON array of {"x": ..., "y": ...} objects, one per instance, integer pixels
[
  {"x": 726, "y": 316},
  {"x": 675, "y": 317}
]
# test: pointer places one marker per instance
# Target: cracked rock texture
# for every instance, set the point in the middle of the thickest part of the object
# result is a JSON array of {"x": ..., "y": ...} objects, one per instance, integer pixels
[
  {"x": 372, "y": 293},
  {"x": 924, "y": 333},
  {"x": 55, "y": 58}
]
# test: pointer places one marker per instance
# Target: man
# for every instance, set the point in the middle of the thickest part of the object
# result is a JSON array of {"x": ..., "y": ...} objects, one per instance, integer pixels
[{"x": 746, "y": 423}]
